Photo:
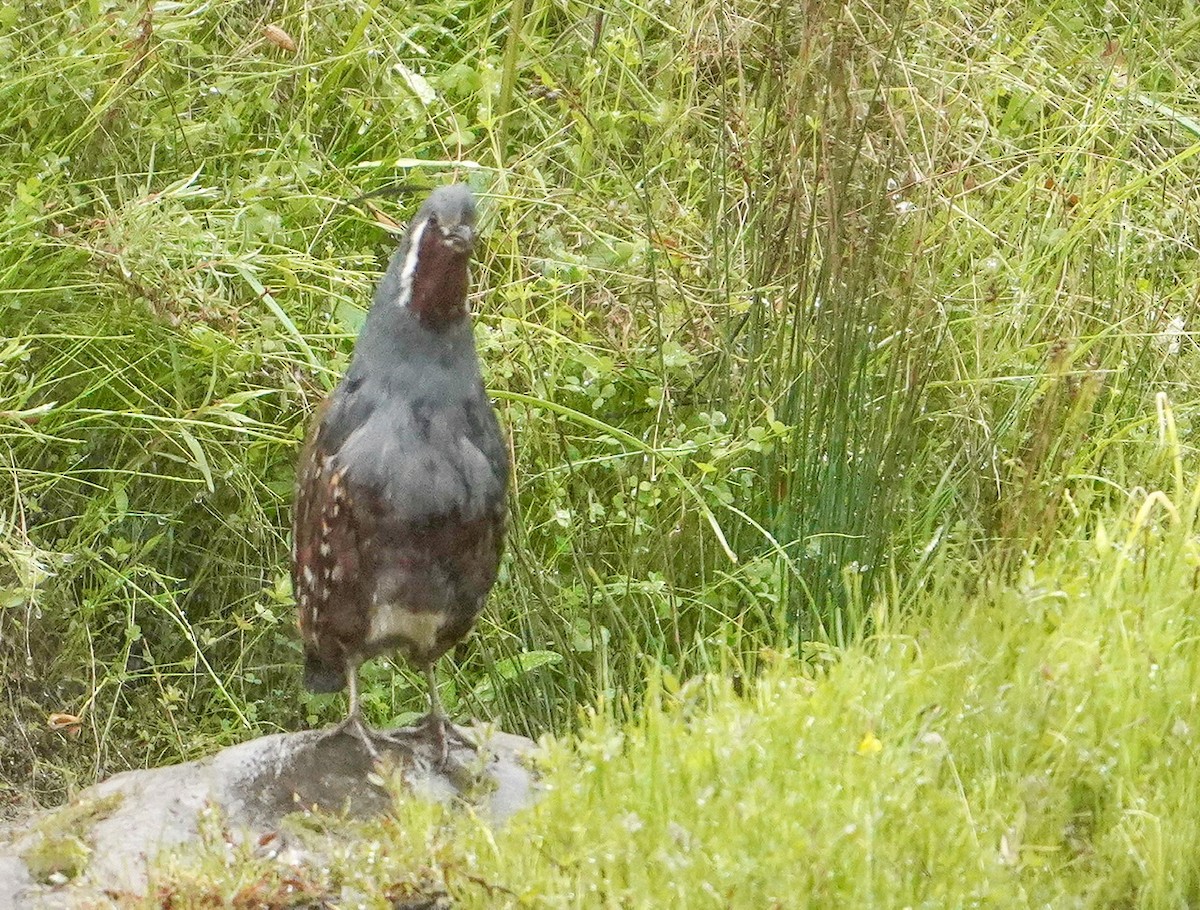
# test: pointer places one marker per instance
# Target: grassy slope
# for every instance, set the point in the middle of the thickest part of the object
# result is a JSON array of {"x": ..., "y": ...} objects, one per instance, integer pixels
[
  {"x": 1034, "y": 746},
  {"x": 891, "y": 294}
]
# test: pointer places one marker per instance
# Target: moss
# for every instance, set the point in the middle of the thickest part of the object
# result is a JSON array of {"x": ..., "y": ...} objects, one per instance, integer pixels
[{"x": 61, "y": 843}]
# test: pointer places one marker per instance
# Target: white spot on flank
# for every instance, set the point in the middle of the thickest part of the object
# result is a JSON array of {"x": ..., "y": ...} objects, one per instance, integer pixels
[
  {"x": 309, "y": 578},
  {"x": 410, "y": 264},
  {"x": 326, "y": 549}
]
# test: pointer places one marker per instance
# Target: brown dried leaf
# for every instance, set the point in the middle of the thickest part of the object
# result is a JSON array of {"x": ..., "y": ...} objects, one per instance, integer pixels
[
  {"x": 383, "y": 218},
  {"x": 279, "y": 38},
  {"x": 67, "y": 723}
]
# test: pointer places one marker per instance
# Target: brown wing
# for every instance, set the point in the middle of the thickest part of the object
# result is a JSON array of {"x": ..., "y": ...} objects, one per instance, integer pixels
[{"x": 326, "y": 566}]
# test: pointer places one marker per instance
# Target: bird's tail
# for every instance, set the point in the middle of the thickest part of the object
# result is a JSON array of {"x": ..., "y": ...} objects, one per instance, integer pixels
[{"x": 320, "y": 677}]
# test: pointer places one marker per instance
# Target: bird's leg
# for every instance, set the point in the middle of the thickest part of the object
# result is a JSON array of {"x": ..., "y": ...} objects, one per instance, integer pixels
[
  {"x": 437, "y": 720},
  {"x": 438, "y": 723},
  {"x": 353, "y": 722}
]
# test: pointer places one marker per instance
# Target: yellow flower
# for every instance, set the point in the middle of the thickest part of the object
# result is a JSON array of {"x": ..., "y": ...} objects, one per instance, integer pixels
[{"x": 870, "y": 744}]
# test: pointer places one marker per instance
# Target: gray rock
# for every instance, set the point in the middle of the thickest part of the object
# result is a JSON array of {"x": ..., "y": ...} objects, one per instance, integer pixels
[{"x": 103, "y": 840}]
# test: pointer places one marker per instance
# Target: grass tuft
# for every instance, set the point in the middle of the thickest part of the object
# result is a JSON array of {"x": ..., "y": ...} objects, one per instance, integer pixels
[{"x": 1028, "y": 745}]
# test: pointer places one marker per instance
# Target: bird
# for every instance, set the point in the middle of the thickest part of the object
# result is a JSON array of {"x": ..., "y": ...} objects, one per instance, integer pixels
[{"x": 401, "y": 495}]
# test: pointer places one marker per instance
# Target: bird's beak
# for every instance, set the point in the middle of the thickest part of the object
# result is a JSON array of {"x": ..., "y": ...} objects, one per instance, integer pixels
[{"x": 462, "y": 238}]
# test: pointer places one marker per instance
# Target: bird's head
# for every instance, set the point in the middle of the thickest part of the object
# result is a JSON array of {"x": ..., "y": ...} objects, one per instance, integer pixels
[{"x": 433, "y": 278}]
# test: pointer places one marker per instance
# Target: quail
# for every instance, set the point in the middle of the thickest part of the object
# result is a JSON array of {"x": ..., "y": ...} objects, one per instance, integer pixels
[{"x": 400, "y": 504}]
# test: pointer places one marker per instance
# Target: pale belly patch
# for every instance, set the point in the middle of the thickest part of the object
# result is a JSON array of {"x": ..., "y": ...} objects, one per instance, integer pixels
[{"x": 411, "y": 629}]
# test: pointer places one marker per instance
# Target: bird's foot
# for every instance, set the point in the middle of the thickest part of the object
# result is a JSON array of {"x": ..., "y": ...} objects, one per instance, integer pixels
[
  {"x": 354, "y": 725},
  {"x": 441, "y": 734}
]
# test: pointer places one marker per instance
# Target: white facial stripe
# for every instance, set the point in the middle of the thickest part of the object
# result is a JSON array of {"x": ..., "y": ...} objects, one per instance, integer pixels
[{"x": 410, "y": 263}]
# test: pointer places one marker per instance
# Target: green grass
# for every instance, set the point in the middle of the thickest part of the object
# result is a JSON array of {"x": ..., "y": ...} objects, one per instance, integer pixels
[
  {"x": 788, "y": 308},
  {"x": 1032, "y": 745}
]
